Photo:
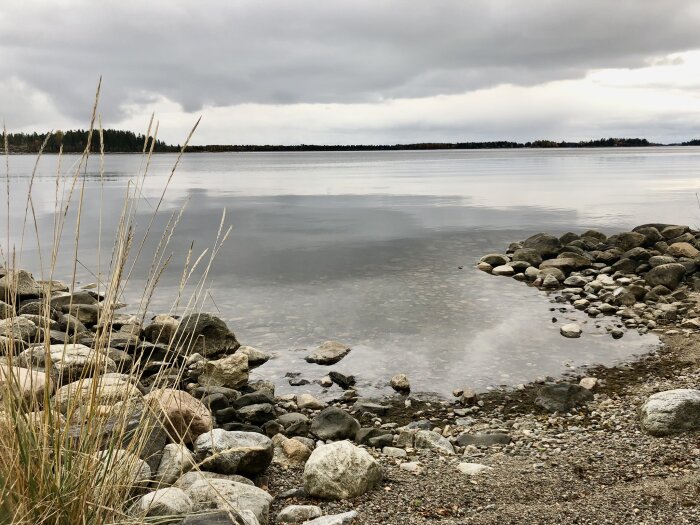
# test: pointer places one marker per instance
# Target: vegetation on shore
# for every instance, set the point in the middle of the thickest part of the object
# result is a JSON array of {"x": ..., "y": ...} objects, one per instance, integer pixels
[{"x": 120, "y": 141}]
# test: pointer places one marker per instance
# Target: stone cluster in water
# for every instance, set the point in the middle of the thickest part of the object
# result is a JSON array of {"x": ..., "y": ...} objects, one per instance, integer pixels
[{"x": 640, "y": 276}]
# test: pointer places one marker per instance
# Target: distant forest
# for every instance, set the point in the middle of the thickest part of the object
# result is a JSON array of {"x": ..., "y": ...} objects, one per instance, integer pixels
[{"x": 119, "y": 141}]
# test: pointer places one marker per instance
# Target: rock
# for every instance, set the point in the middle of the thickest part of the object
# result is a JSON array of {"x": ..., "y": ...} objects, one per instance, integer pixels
[
  {"x": 473, "y": 469},
  {"x": 544, "y": 244},
  {"x": 164, "y": 502},
  {"x": 233, "y": 452},
  {"x": 6, "y": 310},
  {"x": 184, "y": 416},
  {"x": 651, "y": 234},
  {"x": 414, "y": 467},
  {"x": 469, "y": 397},
  {"x": 205, "y": 334},
  {"x": 106, "y": 392},
  {"x": 29, "y": 385},
  {"x": 628, "y": 240},
  {"x": 161, "y": 330},
  {"x": 176, "y": 461},
  {"x": 68, "y": 362},
  {"x": 528, "y": 255},
  {"x": 309, "y": 402},
  {"x": 123, "y": 467},
  {"x": 400, "y": 383},
  {"x": 230, "y": 372},
  {"x": 88, "y": 314},
  {"x": 19, "y": 283},
  {"x": 19, "y": 328},
  {"x": 365, "y": 434},
  {"x": 576, "y": 281},
  {"x": 550, "y": 281},
  {"x": 221, "y": 517},
  {"x": 229, "y": 495},
  {"x": 671, "y": 412},
  {"x": 258, "y": 414},
  {"x": 562, "y": 397},
  {"x": 341, "y": 471},
  {"x": 333, "y": 424},
  {"x": 570, "y": 330},
  {"x": 433, "y": 441},
  {"x": 589, "y": 383},
  {"x": 504, "y": 270},
  {"x": 394, "y": 452},
  {"x": 343, "y": 381},
  {"x": 346, "y": 518},
  {"x": 682, "y": 249},
  {"x": 289, "y": 452},
  {"x": 484, "y": 267},
  {"x": 673, "y": 231},
  {"x": 298, "y": 513},
  {"x": 328, "y": 353},
  {"x": 483, "y": 439},
  {"x": 668, "y": 275},
  {"x": 295, "y": 424},
  {"x": 255, "y": 357},
  {"x": 494, "y": 259},
  {"x": 189, "y": 479}
]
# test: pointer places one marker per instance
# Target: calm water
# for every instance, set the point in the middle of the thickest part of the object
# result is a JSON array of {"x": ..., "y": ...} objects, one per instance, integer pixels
[{"x": 365, "y": 248}]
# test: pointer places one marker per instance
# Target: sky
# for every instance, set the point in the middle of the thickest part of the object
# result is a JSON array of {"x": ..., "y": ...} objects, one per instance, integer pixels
[{"x": 356, "y": 71}]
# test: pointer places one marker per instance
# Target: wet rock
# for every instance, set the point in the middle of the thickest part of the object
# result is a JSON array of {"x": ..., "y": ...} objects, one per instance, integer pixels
[
  {"x": 504, "y": 270},
  {"x": 571, "y": 330},
  {"x": 651, "y": 234},
  {"x": 309, "y": 402},
  {"x": 628, "y": 240},
  {"x": 484, "y": 267},
  {"x": 328, "y": 353},
  {"x": 528, "y": 255},
  {"x": 258, "y": 414},
  {"x": 400, "y": 383},
  {"x": 562, "y": 397},
  {"x": 343, "y": 381},
  {"x": 671, "y": 412},
  {"x": 205, "y": 334},
  {"x": 341, "y": 471},
  {"x": 333, "y": 424},
  {"x": 668, "y": 275},
  {"x": 494, "y": 259},
  {"x": 673, "y": 231},
  {"x": 233, "y": 452},
  {"x": 544, "y": 244}
]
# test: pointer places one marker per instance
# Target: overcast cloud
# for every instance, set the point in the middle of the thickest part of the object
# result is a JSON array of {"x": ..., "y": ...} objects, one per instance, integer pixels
[{"x": 358, "y": 71}]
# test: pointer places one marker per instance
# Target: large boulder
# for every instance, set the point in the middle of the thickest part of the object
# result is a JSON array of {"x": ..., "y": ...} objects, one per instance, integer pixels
[
  {"x": 19, "y": 283},
  {"x": 671, "y": 412},
  {"x": 668, "y": 275},
  {"x": 30, "y": 385},
  {"x": 528, "y": 255},
  {"x": 230, "y": 495},
  {"x": 562, "y": 397},
  {"x": 99, "y": 391},
  {"x": 341, "y": 471},
  {"x": 255, "y": 357},
  {"x": 189, "y": 479},
  {"x": 230, "y": 371},
  {"x": 233, "y": 452},
  {"x": 628, "y": 240},
  {"x": 169, "y": 501},
  {"x": 544, "y": 244},
  {"x": 185, "y": 417},
  {"x": 161, "y": 330},
  {"x": 328, "y": 353},
  {"x": 205, "y": 334},
  {"x": 683, "y": 249},
  {"x": 176, "y": 461},
  {"x": 333, "y": 423},
  {"x": 19, "y": 328},
  {"x": 68, "y": 362}
]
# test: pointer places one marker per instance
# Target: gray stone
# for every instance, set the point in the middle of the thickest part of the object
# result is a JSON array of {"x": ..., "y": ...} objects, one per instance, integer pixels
[
  {"x": 494, "y": 259},
  {"x": 544, "y": 244},
  {"x": 230, "y": 371},
  {"x": 328, "y": 353},
  {"x": 205, "y": 334},
  {"x": 230, "y": 495},
  {"x": 483, "y": 439},
  {"x": 346, "y": 518},
  {"x": 176, "y": 461},
  {"x": 668, "y": 275},
  {"x": 433, "y": 441},
  {"x": 298, "y": 513},
  {"x": 340, "y": 471},
  {"x": 562, "y": 397},
  {"x": 169, "y": 501},
  {"x": 671, "y": 412},
  {"x": 233, "y": 452},
  {"x": 571, "y": 330},
  {"x": 334, "y": 423}
]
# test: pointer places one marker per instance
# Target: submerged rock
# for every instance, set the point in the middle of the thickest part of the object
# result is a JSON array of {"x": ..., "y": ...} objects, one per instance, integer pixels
[{"x": 328, "y": 353}]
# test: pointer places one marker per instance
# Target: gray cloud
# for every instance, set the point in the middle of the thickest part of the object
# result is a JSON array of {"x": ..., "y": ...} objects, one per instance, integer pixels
[{"x": 281, "y": 52}]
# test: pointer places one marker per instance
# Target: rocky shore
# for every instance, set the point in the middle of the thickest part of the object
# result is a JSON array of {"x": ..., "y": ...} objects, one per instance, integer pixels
[{"x": 608, "y": 445}]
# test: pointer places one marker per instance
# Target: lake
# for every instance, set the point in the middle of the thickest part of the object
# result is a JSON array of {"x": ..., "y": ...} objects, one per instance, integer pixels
[{"x": 366, "y": 248}]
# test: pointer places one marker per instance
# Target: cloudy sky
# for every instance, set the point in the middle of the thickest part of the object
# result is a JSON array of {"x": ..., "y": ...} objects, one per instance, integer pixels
[{"x": 359, "y": 71}]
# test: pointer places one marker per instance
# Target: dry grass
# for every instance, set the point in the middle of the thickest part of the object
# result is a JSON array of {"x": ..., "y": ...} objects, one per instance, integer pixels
[{"x": 59, "y": 462}]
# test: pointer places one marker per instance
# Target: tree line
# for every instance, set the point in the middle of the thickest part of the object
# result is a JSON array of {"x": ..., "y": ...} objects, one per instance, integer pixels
[
  {"x": 75, "y": 141},
  {"x": 121, "y": 141}
]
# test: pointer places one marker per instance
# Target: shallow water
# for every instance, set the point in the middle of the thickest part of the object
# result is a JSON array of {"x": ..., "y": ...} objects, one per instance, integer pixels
[{"x": 364, "y": 247}]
